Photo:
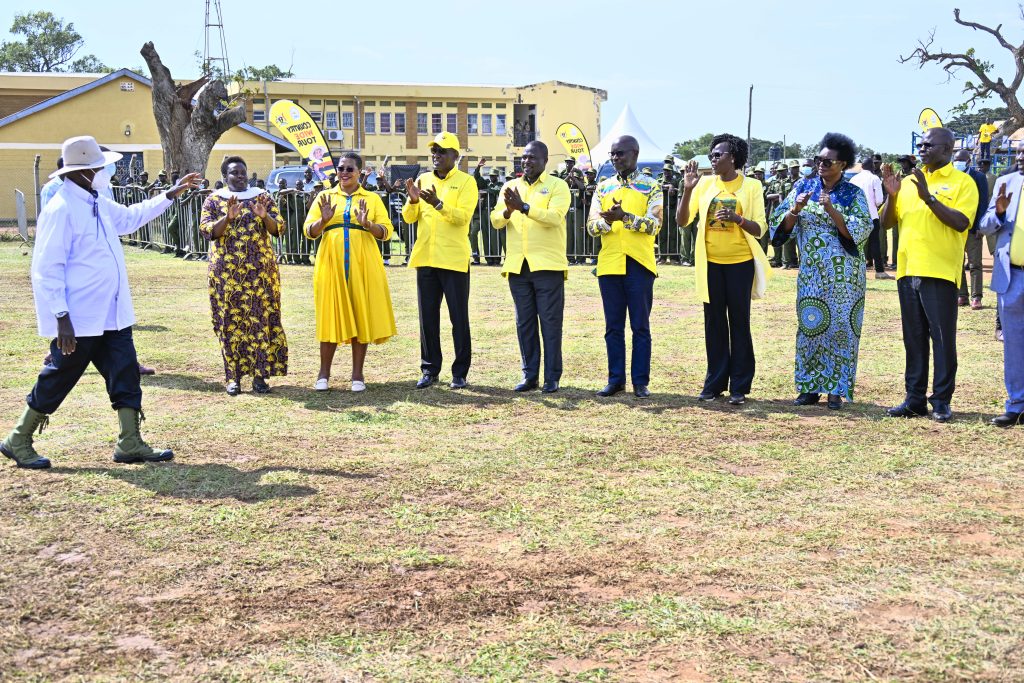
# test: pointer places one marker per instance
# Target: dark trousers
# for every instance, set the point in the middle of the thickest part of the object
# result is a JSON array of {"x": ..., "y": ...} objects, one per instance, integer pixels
[
  {"x": 973, "y": 266},
  {"x": 432, "y": 285},
  {"x": 539, "y": 295},
  {"x": 730, "y": 348},
  {"x": 113, "y": 354},
  {"x": 986, "y": 150},
  {"x": 632, "y": 293},
  {"x": 874, "y": 254},
  {"x": 929, "y": 311}
]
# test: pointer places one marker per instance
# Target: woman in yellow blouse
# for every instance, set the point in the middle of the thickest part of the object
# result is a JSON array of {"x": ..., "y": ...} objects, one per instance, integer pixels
[
  {"x": 350, "y": 287},
  {"x": 731, "y": 266}
]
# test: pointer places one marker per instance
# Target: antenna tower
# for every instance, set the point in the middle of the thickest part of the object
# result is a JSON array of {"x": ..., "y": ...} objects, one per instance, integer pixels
[{"x": 219, "y": 57}]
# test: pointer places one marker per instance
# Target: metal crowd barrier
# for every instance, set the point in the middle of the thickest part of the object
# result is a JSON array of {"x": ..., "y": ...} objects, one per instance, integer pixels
[{"x": 177, "y": 230}]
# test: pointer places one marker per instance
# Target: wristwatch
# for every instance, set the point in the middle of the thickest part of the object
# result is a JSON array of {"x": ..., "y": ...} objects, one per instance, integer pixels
[
  {"x": 931, "y": 200},
  {"x": 62, "y": 314},
  {"x": 526, "y": 209}
]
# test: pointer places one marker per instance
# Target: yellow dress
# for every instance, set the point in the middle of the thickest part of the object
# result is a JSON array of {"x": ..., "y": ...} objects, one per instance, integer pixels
[{"x": 350, "y": 287}]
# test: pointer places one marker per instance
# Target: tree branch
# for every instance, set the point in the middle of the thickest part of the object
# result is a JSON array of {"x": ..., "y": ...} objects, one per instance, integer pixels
[{"x": 997, "y": 31}]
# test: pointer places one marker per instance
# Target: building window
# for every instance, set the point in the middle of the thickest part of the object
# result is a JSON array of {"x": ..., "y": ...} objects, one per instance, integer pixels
[
  {"x": 316, "y": 116},
  {"x": 331, "y": 103},
  {"x": 435, "y": 124},
  {"x": 385, "y": 123},
  {"x": 453, "y": 120},
  {"x": 332, "y": 119},
  {"x": 347, "y": 119},
  {"x": 421, "y": 124},
  {"x": 369, "y": 122},
  {"x": 258, "y": 116},
  {"x": 499, "y": 128},
  {"x": 385, "y": 103},
  {"x": 400, "y": 124},
  {"x": 472, "y": 125},
  {"x": 485, "y": 124},
  {"x": 435, "y": 104}
]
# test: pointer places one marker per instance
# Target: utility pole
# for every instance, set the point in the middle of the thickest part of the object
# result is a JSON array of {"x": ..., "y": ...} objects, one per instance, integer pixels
[{"x": 750, "y": 111}]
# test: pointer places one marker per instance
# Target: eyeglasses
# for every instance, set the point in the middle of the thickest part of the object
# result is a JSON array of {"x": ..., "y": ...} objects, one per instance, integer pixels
[
  {"x": 826, "y": 163},
  {"x": 347, "y": 169},
  {"x": 715, "y": 156},
  {"x": 925, "y": 145},
  {"x": 618, "y": 153}
]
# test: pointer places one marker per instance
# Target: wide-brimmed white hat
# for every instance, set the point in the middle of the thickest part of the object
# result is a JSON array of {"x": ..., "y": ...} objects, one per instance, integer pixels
[{"x": 82, "y": 152}]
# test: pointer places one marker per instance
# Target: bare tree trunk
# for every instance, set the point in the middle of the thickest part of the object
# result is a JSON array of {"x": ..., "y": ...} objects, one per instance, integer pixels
[{"x": 188, "y": 133}]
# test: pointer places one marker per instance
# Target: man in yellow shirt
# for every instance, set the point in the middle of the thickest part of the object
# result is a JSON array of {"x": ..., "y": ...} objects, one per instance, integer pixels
[
  {"x": 441, "y": 203},
  {"x": 626, "y": 214},
  {"x": 532, "y": 210},
  {"x": 985, "y": 139},
  {"x": 934, "y": 208},
  {"x": 1003, "y": 219}
]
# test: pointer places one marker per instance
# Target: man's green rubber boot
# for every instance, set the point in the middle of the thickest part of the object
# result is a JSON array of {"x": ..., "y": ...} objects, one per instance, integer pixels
[
  {"x": 18, "y": 445},
  {"x": 130, "y": 447}
]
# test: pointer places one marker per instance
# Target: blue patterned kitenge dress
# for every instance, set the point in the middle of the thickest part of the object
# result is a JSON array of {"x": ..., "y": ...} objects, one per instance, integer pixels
[{"x": 830, "y": 286}]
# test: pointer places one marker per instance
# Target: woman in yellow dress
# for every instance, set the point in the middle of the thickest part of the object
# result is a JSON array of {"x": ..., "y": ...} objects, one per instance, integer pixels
[{"x": 350, "y": 287}]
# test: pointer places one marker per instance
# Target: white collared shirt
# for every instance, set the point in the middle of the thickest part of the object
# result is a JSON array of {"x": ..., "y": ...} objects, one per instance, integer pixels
[
  {"x": 78, "y": 263},
  {"x": 872, "y": 186}
]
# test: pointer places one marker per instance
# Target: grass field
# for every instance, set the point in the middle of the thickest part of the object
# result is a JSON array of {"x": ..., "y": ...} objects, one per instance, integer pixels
[{"x": 404, "y": 535}]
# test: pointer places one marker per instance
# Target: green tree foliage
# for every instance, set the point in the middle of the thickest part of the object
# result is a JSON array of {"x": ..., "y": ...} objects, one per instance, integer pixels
[
  {"x": 270, "y": 72},
  {"x": 968, "y": 123},
  {"x": 49, "y": 45},
  {"x": 758, "y": 148}
]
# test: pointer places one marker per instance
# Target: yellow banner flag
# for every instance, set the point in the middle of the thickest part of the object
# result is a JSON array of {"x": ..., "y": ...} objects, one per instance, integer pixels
[
  {"x": 299, "y": 128},
  {"x": 575, "y": 143},
  {"x": 929, "y": 119}
]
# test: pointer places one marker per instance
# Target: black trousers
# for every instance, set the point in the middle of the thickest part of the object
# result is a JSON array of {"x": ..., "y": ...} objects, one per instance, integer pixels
[
  {"x": 113, "y": 354},
  {"x": 539, "y": 296},
  {"x": 929, "y": 311},
  {"x": 730, "y": 348},
  {"x": 433, "y": 285},
  {"x": 875, "y": 247}
]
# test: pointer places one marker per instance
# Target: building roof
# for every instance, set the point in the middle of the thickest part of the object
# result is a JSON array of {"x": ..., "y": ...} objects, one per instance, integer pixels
[{"x": 103, "y": 79}]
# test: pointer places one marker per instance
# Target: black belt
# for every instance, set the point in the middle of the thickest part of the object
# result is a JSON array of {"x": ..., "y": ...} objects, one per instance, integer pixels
[{"x": 354, "y": 226}]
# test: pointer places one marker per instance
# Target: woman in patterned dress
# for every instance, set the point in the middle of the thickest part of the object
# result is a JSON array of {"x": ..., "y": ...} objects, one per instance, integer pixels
[
  {"x": 245, "y": 285},
  {"x": 828, "y": 217},
  {"x": 350, "y": 287}
]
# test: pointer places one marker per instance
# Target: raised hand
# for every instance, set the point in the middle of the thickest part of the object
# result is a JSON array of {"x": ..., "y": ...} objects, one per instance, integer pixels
[
  {"x": 413, "y": 190},
  {"x": 890, "y": 182},
  {"x": 728, "y": 216},
  {"x": 690, "y": 175},
  {"x": 801, "y": 201},
  {"x": 233, "y": 209},
  {"x": 613, "y": 214},
  {"x": 429, "y": 195},
  {"x": 259, "y": 207},
  {"x": 326, "y": 209},
  {"x": 825, "y": 201},
  {"x": 1003, "y": 200},
  {"x": 480, "y": 164},
  {"x": 362, "y": 214},
  {"x": 188, "y": 182},
  {"x": 512, "y": 199},
  {"x": 922, "y": 184}
]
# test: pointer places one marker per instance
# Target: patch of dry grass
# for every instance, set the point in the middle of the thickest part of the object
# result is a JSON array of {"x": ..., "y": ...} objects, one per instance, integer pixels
[{"x": 403, "y": 535}]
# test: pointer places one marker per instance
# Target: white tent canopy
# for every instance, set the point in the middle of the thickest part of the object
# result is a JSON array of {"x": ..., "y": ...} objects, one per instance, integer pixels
[{"x": 627, "y": 124}]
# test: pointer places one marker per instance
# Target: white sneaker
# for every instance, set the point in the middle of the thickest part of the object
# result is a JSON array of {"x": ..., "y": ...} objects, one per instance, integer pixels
[
  {"x": 321, "y": 384},
  {"x": 358, "y": 386}
]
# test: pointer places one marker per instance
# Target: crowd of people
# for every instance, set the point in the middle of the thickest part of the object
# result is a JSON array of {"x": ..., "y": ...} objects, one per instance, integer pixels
[{"x": 832, "y": 226}]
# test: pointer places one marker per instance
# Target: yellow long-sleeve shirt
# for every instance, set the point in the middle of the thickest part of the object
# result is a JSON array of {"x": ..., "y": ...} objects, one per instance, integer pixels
[
  {"x": 538, "y": 239},
  {"x": 442, "y": 237}
]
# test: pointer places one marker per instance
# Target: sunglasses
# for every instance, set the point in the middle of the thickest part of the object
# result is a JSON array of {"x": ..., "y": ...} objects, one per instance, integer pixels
[
  {"x": 715, "y": 156},
  {"x": 618, "y": 153},
  {"x": 825, "y": 163},
  {"x": 347, "y": 169},
  {"x": 926, "y": 145}
]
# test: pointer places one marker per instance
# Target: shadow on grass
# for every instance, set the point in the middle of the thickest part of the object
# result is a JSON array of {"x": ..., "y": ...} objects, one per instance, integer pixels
[
  {"x": 211, "y": 481},
  {"x": 150, "y": 328},
  {"x": 170, "y": 380}
]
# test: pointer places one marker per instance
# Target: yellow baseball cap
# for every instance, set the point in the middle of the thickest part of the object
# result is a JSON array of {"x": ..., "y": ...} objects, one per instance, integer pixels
[{"x": 447, "y": 140}]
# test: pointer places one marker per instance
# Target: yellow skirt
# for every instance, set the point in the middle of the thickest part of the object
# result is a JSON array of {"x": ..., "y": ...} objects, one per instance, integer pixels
[{"x": 358, "y": 308}]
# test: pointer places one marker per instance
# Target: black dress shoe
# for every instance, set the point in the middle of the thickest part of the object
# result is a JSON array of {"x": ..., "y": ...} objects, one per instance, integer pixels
[
  {"x": 835, "y": 402},
  {"x": 260, "y": 386},
  {"x": 906, "y": 410},
  {"x": 549, "y": 387},
  {"x": 459, "y": 383},
  {"x": 1006, "y": 420},
  {"x": 641, "y": 391},
  {"x": 426, "y": 381},
  {"x": 737, "y": 399},
  {"x": 806, "y": 399},
  {"x": 708, "y": 396},
  {"x": 941, "y": 412},
  {"x": 611, "y": 390},
  {"x": 526, "y": 385}
]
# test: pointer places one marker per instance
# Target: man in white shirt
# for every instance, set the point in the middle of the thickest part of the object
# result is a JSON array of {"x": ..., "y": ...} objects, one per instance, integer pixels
[
  {"x": 872, "y": 186},
  {"x": 83, "y": 303}
]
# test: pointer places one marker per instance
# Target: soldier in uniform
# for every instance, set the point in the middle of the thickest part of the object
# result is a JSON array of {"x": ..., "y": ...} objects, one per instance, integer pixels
[
  {"x": 668, "y": 238},
  {"x": 789, "y": 257},
  {"x": 576, "y": 218},
  {"x": 590, "y": 185}
]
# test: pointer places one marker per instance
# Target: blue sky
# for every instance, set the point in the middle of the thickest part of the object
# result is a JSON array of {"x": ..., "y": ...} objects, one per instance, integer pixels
[{"x": 683, "y": 67}]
